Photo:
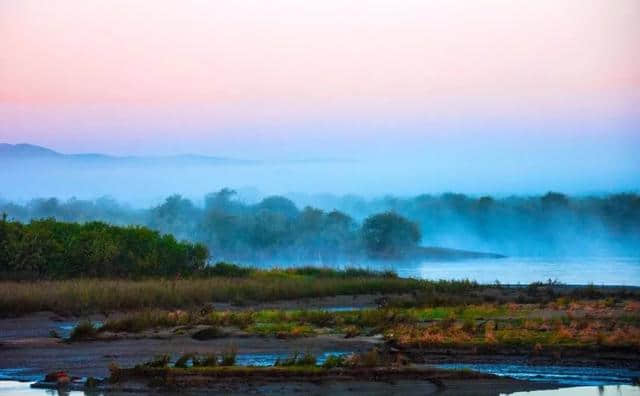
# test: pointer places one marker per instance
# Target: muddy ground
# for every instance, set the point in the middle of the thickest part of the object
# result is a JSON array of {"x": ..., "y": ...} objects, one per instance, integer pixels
[{"x": 26, "y": 343}]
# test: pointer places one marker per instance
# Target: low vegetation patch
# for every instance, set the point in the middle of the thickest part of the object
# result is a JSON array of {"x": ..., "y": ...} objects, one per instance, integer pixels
[
  {"x": 192, "y": 370},
  {"x": 84, "y": 296},
  {"x": 578, "y": 323},
  {"x": 297, "y": 359},
  {"x": 84, "y": 330}
]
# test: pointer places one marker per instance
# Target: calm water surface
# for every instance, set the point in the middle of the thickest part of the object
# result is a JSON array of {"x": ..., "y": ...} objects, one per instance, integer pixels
[
  {"x": 563, "y": 375},
  {"x": 594, "y": 381},
  {"x": 23, "y": 389},
  {"x": 510, "y": 270},
  {"x": 609, "y": 390},
  {"x": 514, "y": 270}
]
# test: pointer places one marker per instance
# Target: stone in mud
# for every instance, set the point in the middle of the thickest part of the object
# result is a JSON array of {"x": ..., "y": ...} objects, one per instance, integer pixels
[
  {"x": 60, "y": 378},
  {"x": 208, "y": 333}
]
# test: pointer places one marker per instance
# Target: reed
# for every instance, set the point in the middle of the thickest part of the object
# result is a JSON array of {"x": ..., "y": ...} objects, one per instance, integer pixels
[{"x": 84, "y": 296}]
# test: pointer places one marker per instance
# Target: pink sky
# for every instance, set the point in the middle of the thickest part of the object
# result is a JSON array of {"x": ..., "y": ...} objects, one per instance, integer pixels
[{"x": 164, "y": 76}]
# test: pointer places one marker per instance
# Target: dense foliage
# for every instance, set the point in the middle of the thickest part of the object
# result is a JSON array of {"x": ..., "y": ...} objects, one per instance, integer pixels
[
  {"x": 389, "y": 235},
  {"x": 325, "y": 228},
  {"x": 272, "y": 229},
  {"x": 52, "y": 249},
  {"x": 549, "y": 224}
]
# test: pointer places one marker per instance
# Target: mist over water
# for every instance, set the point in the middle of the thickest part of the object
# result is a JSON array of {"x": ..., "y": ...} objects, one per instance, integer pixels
[
  {"x": 570, "y": 239},
  {"x": 526, "y": 270},
  {"x": 588, "y": 232}
]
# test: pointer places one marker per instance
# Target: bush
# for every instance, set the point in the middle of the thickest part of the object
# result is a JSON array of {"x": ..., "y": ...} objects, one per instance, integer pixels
[
  {"x": 159, "y": 361},
  {"x": 184, "y": 360},
  {"x": 53, "y": 249},
  {"x": 85, "y": 330},
  {"x": 297, "y": 359},
  {"x": 229, "y": 356},
  {"x": 389, "y": 235},
  {"x": 371, "y": 359},
  {"x": 333, "y": 361},
  {"x": 227, "y": 270},
  {"x": 208, "y": 360}
]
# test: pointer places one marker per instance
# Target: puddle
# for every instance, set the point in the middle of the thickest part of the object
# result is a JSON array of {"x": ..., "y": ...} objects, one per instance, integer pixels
[
  {"x": 24, "y": 388},
  {"x": 19, "y": 374},
  {"x": 342, "y": 309},
  {"x": 606, "y": 390},
  {"x": 269, "y": 359},
  {"x": 565, "y": 375}
]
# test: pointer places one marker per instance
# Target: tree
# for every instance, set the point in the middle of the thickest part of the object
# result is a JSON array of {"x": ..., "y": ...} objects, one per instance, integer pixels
[
  {"x": 176, "y": 215},
  {"x": 554, "y": 200},
  {"x": 220, "y": 201},
  {"x": 389, "y": 235},
  {"x": 280, "y": 205}
]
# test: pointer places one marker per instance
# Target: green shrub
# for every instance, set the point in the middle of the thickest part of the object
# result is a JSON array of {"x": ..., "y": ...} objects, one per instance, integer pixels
[
  {"x": 184, "y": 360},
  {"x": 297, "y": 359},
  {"x": 208, "y": 360},
  {"x": 333, "y": 361},
  {"x": 228, "y": 357},
  {"x": 227, "y": 270},
  {"x": 93, "y": 249},
  {"x": 159, "y": 361},
  {"x": 84, "y": 330}
]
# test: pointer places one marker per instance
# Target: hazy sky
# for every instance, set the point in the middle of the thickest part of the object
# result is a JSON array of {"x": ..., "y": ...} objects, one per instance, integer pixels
[{"x": 493, "y": 81}]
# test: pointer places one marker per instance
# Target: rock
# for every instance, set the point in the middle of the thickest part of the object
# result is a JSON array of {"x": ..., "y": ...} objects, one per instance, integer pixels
[
  {"x": 63, "y": 381},
  {"x": 60, "y": 378}
]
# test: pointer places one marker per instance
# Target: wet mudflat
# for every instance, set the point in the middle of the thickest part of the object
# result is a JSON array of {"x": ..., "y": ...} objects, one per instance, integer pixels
[{"x": 520, "y": 342}]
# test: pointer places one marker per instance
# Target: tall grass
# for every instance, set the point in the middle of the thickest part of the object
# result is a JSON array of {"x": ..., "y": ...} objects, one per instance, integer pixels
[{"x": 82, "y": 296}]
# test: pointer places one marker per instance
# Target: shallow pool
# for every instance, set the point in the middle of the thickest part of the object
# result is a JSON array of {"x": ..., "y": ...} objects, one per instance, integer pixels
[
  {"x": 605, "y": 390},
  {"x": 564, "y": 375}
]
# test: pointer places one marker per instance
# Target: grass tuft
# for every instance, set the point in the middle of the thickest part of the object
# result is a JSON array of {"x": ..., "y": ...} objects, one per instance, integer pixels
[
  {"x": 84, "y": 330},
  {"x": 297, "y": 359},
  {"x": 228, "y": 356}
]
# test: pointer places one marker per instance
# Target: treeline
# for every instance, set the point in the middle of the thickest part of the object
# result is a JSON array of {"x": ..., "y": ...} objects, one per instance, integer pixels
[
  {"x": 271, "y": 229},
  {"x": 325, "y": 228},
  {"x": 53, "y": 249},
  {"x": 549, "y": 224}
]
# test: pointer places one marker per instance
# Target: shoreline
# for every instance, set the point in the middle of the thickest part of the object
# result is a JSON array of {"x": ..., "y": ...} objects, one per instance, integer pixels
[{"x": 542, "y": 324}]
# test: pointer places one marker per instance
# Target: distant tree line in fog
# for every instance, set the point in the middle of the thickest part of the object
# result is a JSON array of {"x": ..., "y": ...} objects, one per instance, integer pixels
[
  {"x": 332, "y": 228},
  {"x": 272, "y": 229}
]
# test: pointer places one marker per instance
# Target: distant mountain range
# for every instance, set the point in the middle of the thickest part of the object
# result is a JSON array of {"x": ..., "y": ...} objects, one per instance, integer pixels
[
  {"x": 33, "y": 153},
  {"x": 24, "y": 151}
]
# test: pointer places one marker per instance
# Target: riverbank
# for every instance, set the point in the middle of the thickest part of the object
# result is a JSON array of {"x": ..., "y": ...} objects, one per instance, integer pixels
[
  {"x": 598, "y": 332},
  {"x": 435, "y": 323},
  {"x": 248, "y": 287}
]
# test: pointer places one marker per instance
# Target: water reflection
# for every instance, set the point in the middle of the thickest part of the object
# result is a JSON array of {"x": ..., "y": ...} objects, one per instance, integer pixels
[
  {"x": 65, "y": 328},
  {"x": 603, "y": 390},
  {"x": 525, "y": 270},
  {"x": 565, "y": 375},
  {"x": 509, "y": 270},
  {"x": 15, "y": 388}
]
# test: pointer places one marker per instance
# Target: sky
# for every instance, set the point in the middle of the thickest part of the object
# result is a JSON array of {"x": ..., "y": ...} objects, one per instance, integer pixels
[{"x": 530, "y": 85}]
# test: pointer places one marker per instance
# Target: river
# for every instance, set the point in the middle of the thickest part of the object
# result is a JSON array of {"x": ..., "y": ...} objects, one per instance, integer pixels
[{"x": 510, "y": 270}]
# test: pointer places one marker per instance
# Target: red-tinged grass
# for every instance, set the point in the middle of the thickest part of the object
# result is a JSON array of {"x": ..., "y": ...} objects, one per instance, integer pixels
[
  {"x": 535, "y": 333},
  {"x": 473, "y": 325}
]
